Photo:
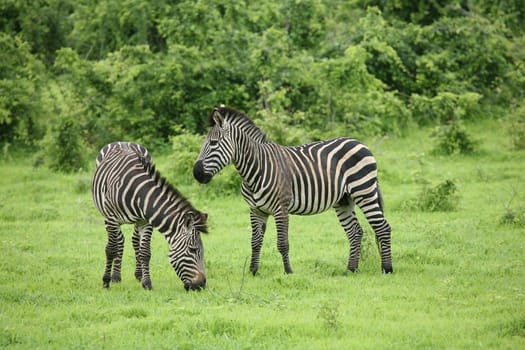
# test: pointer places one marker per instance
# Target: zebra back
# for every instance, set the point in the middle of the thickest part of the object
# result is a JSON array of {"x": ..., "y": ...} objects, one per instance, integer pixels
[
  {"x": 139, "y": 149},
  {"x": 155, "y": 197}
]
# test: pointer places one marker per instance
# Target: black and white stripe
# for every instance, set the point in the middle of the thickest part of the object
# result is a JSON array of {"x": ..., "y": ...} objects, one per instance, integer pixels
[
  {"x": 127, "y": 189},
  {"x": 308, "y": 179},
  {"x": 139, "y": 149}
]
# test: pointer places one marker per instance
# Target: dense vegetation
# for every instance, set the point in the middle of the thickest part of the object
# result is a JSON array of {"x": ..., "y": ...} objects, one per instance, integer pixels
[{"x": 79, "y": 74}]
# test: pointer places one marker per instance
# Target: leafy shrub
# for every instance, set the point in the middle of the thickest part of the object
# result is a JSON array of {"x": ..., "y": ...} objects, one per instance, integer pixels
[
  {"x": 273, "y": 120},
  {"x": 186, "y": 148},
  {"x": 391, "y": 55},
  {"x": 513, "y": 216},
  {"x": 463, "y": 53},
  {"x": 442, "y": 197},
  {"x": 453, "y": 138},
  {"x": 21, "y": 81},
  {"x": 62, "y": 148},
  {"x": 444, "y": 107},
  {"x": 447, "y": 110}
]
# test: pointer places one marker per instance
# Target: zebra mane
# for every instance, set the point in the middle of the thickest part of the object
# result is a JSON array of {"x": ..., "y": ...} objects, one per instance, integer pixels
[
  {"x": 173, "y": 193},
  {"x": 241, "y": 120}
]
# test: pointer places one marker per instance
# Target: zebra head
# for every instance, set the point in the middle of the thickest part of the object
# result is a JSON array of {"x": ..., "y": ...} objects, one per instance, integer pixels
[
  {"x": 187, "y": 252},
  {"x": 218, "y": 148}
]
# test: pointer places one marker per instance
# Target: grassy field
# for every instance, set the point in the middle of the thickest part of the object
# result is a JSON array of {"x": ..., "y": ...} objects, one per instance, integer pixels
[{"x": 458, "y": 282}]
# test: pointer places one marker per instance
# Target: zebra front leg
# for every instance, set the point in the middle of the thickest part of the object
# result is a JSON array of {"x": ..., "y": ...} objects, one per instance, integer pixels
[
  {"x": 281, "y": 223},
  {"x": 354, "y": 233},
  {"x": 145, "y": 254},
  {"x": 258, "y": 222},
  {"x": 112, "y": 250}
]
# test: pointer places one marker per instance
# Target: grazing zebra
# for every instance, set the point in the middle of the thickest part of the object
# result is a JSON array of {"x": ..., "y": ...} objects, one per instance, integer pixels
[
  {"x": 308, "y": 179},
  {"x": 127, "y": 189}
]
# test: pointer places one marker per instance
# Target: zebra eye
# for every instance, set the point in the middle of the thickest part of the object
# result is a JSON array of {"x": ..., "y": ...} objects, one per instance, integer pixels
[{"x": 214, "y": 142}]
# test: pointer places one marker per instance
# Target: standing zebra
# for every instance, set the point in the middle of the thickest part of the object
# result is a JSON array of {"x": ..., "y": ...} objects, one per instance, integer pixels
[
  {"x": 127, "y": 189},
  {"x": 308, "y": 179}
]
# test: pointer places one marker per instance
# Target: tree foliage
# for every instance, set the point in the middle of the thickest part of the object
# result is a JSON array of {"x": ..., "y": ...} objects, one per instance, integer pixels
[
  {"x": 304, "y": 69},
  {"x": 21, "y": 76}
]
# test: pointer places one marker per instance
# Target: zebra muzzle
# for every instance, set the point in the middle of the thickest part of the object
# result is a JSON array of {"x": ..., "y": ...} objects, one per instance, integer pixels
[
  {"x": 197, "y": 284},
  {"x": 199, "y": 174}
]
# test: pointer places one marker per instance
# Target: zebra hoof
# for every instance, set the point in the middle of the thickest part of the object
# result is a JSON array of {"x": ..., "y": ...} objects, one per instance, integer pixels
[
  {"x": 387, "y": 270},
  {"x": 116, "y": 278},
  {"x": 105, "y": 281},
  {"x": 146, "y": 284}
]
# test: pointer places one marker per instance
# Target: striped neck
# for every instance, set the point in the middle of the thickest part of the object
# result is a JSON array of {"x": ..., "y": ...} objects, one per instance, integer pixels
[
  {"x": 162, "y": 204},
  {"x": 247, "y": 158}
]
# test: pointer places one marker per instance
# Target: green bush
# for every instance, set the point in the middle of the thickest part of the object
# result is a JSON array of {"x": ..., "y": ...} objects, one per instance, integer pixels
[
  {"x": 462, "y": 53},
  {"x": 444, "y": 107},
  {"x": 453, "y": 138},
  {"x": 21, "y": 79},
  {"x": 185, "y": 150},
  {"x": 62, "y": 148},
  {"x": 513, "y": 216},
  {"x": 442, "y": 197}
]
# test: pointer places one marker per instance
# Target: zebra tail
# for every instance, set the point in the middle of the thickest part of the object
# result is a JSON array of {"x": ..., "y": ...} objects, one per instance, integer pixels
[{"x": 380, "y": 197}]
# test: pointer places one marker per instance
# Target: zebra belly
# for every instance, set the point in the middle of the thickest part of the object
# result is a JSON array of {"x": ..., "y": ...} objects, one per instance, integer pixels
[
  {"x": 261, "y": 202},
  {"x": 299, "y": 208},
  {"x": 122, "y": 217},
  {"x": 297, "y": 205}
]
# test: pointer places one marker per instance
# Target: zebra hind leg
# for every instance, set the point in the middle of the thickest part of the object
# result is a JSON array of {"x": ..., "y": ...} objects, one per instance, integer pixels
[
  {"x": 112, "y": 247},
  {"x": 354, "y": 233},
  {"x": 117, "y": 263},
  {"x": 136, "y": 248},
  {"x": 383, "y": 232},
  {"x": 373, "y": 211}
]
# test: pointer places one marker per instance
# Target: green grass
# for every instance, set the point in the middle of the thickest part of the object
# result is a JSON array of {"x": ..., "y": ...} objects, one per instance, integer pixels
[{"x": 459, "y": 279}]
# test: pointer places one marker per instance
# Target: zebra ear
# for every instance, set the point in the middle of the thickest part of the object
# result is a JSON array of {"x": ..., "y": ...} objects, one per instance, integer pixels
[
  {"x": 188, "y": 220},
  {"x": 218, "y": 119},
  {"x": 201, "y": 222}
]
